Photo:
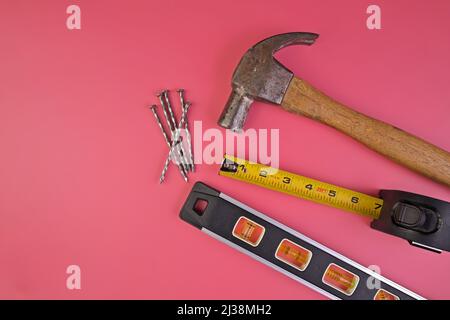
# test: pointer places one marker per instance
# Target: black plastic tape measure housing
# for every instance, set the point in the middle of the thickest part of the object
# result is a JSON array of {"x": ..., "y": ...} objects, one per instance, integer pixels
[
  {"x": 423, "y": 221},
  {"x": 219, "y": 217}
]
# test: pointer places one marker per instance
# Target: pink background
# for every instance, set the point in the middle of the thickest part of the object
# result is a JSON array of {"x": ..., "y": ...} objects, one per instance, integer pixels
[{"x": 81, "y": 155}]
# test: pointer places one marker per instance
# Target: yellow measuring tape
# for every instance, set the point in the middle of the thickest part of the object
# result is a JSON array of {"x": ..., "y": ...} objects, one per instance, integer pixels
[{"x": 301, "y": 187}]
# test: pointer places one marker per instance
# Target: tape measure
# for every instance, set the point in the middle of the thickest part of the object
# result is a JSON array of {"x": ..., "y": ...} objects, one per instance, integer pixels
[
  {"x": 301, "y": 187},
  {"x": 284, "y": 249}
]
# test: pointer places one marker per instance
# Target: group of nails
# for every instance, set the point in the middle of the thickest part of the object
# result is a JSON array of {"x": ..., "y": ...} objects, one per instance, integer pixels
[{"x": 180, "y": 146}]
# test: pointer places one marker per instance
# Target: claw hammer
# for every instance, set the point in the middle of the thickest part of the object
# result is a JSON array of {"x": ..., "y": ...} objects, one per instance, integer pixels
[{"x": 259, "y": 76}]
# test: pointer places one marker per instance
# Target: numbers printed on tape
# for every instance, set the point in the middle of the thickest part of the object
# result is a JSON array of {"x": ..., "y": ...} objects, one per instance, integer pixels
[{"x": 301, "y": 187}]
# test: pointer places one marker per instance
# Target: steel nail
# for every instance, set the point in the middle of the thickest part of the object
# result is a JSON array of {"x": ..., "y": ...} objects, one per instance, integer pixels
[{"x": 169, "y": 144}]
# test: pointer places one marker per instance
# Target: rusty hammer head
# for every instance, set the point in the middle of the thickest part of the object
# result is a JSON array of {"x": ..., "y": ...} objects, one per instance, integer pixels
[{"x": 259, "y": 76}]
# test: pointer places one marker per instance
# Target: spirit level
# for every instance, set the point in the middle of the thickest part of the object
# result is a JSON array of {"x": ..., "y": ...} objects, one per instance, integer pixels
[
  {"x": 423, "y": 221},
  {"x": 284, "y": 249}
]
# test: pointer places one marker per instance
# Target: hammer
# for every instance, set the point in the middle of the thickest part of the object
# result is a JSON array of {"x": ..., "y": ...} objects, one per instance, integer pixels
[{"x": 259, "y": 76}]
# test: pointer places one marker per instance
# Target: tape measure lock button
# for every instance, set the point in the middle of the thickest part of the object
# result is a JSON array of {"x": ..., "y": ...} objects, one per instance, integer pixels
[{"x": 415, "y": 217}]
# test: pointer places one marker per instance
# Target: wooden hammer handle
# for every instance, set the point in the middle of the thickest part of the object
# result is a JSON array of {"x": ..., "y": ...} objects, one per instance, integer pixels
[{"x": 404, "y": 148}]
